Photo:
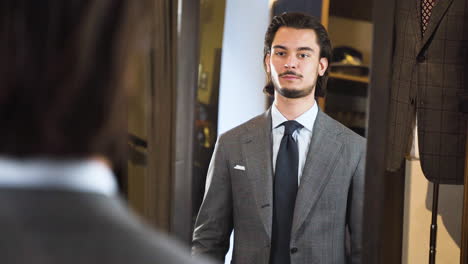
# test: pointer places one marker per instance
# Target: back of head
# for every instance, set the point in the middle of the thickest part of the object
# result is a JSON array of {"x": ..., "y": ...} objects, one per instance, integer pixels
[{"x": 61, "y": 86}]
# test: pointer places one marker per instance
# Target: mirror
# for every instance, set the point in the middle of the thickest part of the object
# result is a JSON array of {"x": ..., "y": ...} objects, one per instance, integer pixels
[{"x": 229, "y": 92}]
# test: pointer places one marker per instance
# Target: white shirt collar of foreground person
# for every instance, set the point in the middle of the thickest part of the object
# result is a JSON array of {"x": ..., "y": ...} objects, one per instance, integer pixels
[{"x": 81, "y": 175}]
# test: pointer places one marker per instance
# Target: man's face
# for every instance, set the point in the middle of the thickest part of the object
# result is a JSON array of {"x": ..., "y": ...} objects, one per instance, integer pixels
[{"x": 294, "y": 63}]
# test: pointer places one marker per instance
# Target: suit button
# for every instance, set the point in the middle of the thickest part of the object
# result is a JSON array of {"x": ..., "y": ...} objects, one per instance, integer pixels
[
  {"x": 421, "y": 58},
  {"x": 412, "y": 101},
  {"x": 293, "y": 250}
]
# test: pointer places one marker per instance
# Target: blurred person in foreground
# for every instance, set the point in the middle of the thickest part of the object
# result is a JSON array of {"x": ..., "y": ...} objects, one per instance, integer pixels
[{"x": 63, "y": 82}]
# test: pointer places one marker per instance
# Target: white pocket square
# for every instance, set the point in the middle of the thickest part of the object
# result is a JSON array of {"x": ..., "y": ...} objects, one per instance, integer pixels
[{"x": 239, "y": 167}]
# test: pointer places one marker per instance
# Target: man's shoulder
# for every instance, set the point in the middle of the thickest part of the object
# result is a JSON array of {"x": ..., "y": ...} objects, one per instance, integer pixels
[
  {"x": 246, "y": 128},
  {"x": 342, "y": 132},
  {"x": 103, "y": 223},
  {"x": 167, "y": 250}
]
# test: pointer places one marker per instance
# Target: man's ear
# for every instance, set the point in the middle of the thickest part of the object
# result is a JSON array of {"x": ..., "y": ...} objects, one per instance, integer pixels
[
  {"x": 323, "y": 65},
  {"x": 267, "y": 63}
]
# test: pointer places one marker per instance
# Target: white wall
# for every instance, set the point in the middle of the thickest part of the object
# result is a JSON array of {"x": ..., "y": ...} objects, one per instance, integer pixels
[
  {"x": 417, "y": 218},
  {"x": 242, "y": 76}
]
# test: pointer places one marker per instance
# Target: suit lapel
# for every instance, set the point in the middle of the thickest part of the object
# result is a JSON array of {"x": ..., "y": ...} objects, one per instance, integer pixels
[
  {"x": 415, "y": 20},
  {"x": 257, "y": 152},
  {"x": 437, "y": 13},
  {"x": 321, "y": 159}
]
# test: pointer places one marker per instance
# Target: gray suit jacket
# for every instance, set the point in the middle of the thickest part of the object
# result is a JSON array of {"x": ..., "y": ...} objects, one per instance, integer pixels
[
  {"x": 429, "y": 76},
  {"x": 52, "y": 226},
  {"x": 329, "y": 198}
]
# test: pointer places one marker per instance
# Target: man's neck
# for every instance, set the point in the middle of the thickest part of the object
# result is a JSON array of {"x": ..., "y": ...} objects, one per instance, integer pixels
[{"x": 292, "y": 108}]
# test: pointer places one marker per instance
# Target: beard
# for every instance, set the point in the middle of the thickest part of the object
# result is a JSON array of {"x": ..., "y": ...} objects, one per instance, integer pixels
[
  {"x": 294, "y": 93},
  {"x": 291, "y": 92}
]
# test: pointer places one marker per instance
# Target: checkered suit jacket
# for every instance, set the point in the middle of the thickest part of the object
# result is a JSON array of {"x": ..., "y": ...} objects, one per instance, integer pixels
[
  {"x": 430, "y": 73},
  {"x": 329, "y": 199}
]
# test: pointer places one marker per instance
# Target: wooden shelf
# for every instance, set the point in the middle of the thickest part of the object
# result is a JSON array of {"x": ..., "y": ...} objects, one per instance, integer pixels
[{"x": 349, "y": 77}]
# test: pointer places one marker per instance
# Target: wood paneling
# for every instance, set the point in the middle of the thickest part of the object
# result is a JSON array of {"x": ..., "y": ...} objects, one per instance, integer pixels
[
  {"x": 159, "y": 179},
  {"x": 355, "y": 9},
  {"x": 186, "y": 68},
  {"x": 383, "y": 206}
]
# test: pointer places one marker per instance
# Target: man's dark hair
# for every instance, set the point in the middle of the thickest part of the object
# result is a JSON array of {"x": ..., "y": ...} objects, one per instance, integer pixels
[
  {"x": 61, "y": 75},
  {"x": 299, "y": 21}
]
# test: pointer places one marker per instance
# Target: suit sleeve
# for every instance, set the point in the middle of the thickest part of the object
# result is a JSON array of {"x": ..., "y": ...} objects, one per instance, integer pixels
[
  {"x": 214, "y": 222},
  {"x": 356, "y": 209}
]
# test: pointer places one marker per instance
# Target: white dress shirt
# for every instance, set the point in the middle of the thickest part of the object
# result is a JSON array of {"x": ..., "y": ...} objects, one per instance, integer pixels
[
  {"x": 302, "y": 136},
  {"x": 414, "y": 153},
  {"x": 73, "y": 175}
]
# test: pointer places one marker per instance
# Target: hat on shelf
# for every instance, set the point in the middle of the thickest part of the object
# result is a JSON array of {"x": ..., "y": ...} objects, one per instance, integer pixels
[{"x": 348, "y": 60}]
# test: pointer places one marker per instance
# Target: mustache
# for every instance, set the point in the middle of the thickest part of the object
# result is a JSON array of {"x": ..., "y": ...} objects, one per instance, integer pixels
[{"x": 290, "y": 73}]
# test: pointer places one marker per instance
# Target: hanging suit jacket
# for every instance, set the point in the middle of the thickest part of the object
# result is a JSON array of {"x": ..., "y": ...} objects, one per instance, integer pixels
[
  {"x": 430, "y": 74},
  {"x": 239, "y": 196}
]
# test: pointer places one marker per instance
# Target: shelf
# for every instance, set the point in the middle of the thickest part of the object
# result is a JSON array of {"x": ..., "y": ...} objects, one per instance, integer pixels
[{"x": 348, "y": 77}]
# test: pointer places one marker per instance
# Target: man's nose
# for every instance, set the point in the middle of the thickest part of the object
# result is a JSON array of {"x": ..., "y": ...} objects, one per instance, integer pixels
[{"x": 291, "y": 62}]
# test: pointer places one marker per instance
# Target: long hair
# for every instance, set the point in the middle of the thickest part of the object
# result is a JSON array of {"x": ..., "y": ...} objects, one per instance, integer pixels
[
  {"x": 61, "y": 75},
  {"x": 299, "y": 21}
]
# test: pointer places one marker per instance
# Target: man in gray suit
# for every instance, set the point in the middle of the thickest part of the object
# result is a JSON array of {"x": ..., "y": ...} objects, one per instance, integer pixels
[
  {"x": 289, "y": 181},
  {"x": 62, "y": 84}
]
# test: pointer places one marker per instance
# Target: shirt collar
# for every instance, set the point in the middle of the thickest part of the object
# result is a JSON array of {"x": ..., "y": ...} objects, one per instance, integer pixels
[
  {"x": 42, "y": 173},
  {"x": 307, "y": 119}
]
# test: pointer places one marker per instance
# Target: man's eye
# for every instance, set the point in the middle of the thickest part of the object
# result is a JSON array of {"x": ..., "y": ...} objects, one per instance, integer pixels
[
  {"x": 280, "y": 53},
  {"x": 304, "y": 55}
]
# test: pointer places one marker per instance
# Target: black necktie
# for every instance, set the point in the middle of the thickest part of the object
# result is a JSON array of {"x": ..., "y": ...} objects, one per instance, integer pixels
[{"x": 284, "y": 194}]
